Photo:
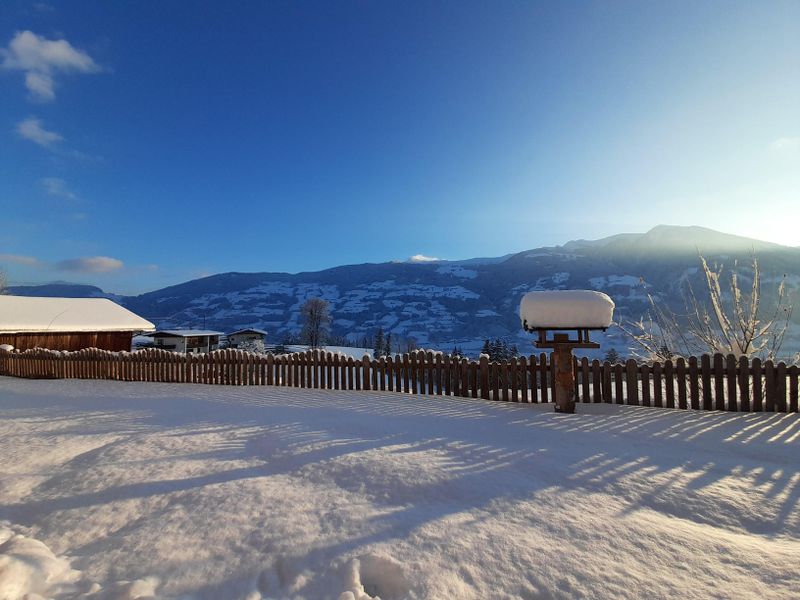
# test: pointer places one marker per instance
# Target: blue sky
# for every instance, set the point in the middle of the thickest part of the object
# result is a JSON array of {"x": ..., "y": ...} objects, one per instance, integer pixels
[{"x": 143, "y": 144}]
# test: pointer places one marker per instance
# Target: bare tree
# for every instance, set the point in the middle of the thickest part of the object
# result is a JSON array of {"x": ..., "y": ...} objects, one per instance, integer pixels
[
  {"x": 726, "y": 319},
  {"x": 316, "y": 322},
  {"x": 2, "y": 283}
]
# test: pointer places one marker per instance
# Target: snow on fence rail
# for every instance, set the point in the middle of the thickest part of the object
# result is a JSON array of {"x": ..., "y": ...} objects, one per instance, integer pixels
[{"x": 709, "y": 383}]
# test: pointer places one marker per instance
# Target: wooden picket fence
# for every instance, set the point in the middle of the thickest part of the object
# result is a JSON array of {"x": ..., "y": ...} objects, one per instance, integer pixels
[{"x": 706, "y": 383}]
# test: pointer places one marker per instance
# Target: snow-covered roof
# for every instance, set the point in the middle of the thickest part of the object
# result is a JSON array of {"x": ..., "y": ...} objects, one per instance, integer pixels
[
  {"x": 24, "y": 314},
  {"x": 240, "y": 331},
  {"x": 184, "y": 332},
  {"x": 566, "y": 309}
]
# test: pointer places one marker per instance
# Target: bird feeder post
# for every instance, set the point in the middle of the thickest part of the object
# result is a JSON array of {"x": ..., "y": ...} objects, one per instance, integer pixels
[
  {"x": 563, "y": 362},
  {"x": 561, "y": 311},
  {"x": 564, "y": 375}
]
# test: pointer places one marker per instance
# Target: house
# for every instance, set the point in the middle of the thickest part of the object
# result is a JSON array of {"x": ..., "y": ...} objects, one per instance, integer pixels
[
  {"x": 68, "y": 323},
  {"x": 186, "y": 341},
  {"x": 246, "y": 335}
]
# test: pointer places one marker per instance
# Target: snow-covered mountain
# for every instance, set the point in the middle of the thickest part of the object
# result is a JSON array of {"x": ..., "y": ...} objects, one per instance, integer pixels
[
  {"x": 60, "y": 290},
  {"x": 461, "y": 302}
]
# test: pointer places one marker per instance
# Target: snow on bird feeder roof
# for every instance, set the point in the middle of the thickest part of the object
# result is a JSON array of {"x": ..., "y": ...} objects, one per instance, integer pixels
[{"x": 566, "y": 309}]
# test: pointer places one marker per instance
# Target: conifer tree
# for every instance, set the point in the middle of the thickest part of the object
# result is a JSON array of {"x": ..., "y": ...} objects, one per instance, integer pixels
[
  {"x": 387, "y": 346},
  {"x": 379, "y": 343}
]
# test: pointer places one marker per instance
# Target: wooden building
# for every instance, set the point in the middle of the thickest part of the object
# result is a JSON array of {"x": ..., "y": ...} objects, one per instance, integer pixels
[
  {"x": 246, "y": 335},
  {"x": 68, "y": 323},
  {"x": 186, "y": 341}
]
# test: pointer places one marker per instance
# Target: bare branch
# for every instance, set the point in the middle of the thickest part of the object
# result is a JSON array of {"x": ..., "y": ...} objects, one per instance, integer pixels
[{"x": 723, "y": 320}]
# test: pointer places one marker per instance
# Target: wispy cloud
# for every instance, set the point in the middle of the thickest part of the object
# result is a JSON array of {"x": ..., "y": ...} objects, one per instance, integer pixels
[
  {"x": 91, "y": 264},
  {"x": 55, "y": 186},
  {"x": 786, "y": 145},
  {"x": 19, "y": 259},
  {"x": 32, "y": 129},
  {"x": 40, "y": 59}
]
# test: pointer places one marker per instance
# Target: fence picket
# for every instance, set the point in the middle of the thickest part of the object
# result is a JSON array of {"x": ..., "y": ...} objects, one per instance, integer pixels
[
  {"x": 597, "y": 382},
  {"x": 645, "y": 375},
  {"x": 544, "y": 383},
  {"x": 705, "y": 377},
  {"x": 607, "y": 383},
  {"x": 669, "y": 384},
  {"x": 694, "y": 384},
  {"x": 769, "y": 386},
  {"x": 680, "y": 374},
  {"x": 658, "y": 398},
  {"x": 632, "y": 381},
  {"x": 758, "y": 386},
  {"x": 367, "y": 370},
  {"x": 730, "y": 374},
  {"x": 523, "y": 380},
  {"x": 504, "y": 383},
  {"x": 618, "y": 387},
  {"x": 780, "y": 387},
  {"x": 719, "y": 382}
]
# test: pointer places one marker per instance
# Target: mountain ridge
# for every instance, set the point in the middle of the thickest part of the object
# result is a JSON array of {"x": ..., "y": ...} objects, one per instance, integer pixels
[{"x": 447, "y": 303}]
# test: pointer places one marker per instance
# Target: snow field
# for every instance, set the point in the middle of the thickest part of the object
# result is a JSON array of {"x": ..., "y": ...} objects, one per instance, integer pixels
[{"x": 130, "y": 490}]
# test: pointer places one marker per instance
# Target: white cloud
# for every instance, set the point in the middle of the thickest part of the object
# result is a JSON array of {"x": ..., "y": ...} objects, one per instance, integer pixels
[
  {"x": 58, "y": 187},
  {"x": 91, "y": 264},
  {"x": 33, "y": 130},
  {"x": 786, "y": 145},
  {"x": 40, "y": 59},
  {"x": 18, "y": 259},
  {"x": 421, "y": 258}
]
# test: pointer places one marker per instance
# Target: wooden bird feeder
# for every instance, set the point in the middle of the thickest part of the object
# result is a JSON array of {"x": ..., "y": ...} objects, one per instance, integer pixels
[{"x": 555, "y": 315}]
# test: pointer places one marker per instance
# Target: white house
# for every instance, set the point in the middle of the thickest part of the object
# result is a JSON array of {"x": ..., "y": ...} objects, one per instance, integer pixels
[
  {"x": 186, "y": 341},
  {"x": 246, "y": 335}
]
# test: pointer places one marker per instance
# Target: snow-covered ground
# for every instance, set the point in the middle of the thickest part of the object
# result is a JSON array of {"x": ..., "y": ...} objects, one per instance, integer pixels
[{"x": 131, "y": 490}]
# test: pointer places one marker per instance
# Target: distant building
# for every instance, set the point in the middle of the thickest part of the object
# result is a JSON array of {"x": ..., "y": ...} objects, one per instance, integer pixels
[
  {"x": 68, "y": 323},
  {"x": 246, "y": 335},
  {"x": 186, "y": 341}
]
